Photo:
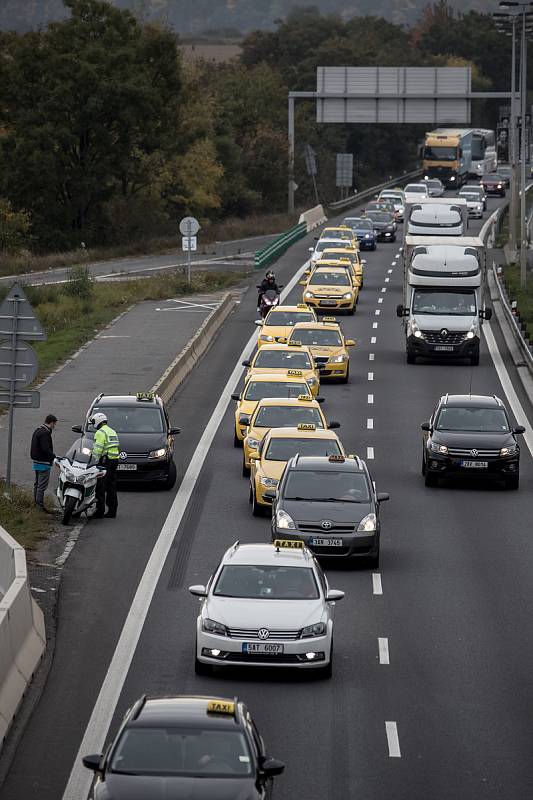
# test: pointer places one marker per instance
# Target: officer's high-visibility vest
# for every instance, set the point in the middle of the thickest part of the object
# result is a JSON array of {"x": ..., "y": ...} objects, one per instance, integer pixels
[{"x": 105, "y": 443}]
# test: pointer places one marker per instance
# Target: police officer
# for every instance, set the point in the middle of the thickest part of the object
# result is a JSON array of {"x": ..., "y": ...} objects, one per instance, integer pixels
[
  {"x": 268, "y": 282},
  {"x": 105, "y": 452}
]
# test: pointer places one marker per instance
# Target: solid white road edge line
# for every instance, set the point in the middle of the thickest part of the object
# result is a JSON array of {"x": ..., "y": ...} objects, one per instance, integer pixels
[
  {"x": 383, "y": 645},
  {"x": 79, "y": 782},
  {"x": 377, "y": 588},
  {"x": 393, "y": 741},
  {"x": 508, "y": 387}
]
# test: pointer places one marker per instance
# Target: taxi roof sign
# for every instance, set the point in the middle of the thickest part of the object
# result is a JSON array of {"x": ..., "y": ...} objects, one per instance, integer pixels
[
  {"x": 329, "y": 319},
  {"x": 305, "y": 398},
  {"x": 297, "y": 372},
  {"x": 288, "y": 544},
  {"x": 303, "y": 305},
  {"x": 145, "y": 396},
  {"x": 294, "y": 343},
  {"x": 337, "y": 458},
  {"x": 306, "y": 426},
  {"x": 221, "y": 707}
]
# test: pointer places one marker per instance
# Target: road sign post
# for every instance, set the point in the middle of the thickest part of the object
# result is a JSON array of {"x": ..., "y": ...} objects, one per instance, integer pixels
[
  {"x": 18, "y": 361},
  {"x": 189, "y": 227}
]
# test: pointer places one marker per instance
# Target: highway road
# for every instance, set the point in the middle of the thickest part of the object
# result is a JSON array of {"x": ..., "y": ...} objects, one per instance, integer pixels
[{"x": 431, "y": 695}]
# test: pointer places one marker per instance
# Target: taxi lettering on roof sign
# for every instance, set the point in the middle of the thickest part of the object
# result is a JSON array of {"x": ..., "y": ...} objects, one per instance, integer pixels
[
  {"x": 305, "y": 397},
  {"x": 145, "y": 396},
  {"x": 303, "y": 305},
  {"x": 339, "y": 459},
  {"x": 306, "y": 426},
  {"x": 221, "y": 707},
  {"x": 297, "y": 372},
  {"x": 290, "y": 544},
  {"x": 292, "y": 343},
  {"x": 329, "y": 319}
]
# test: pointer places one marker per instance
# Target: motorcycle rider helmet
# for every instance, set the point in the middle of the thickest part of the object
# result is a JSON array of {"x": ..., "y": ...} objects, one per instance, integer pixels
[{"x": 98, "y": 419}]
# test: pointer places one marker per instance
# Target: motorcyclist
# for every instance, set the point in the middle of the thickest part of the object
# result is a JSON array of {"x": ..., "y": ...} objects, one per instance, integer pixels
[{"x": 268, "y": 282}]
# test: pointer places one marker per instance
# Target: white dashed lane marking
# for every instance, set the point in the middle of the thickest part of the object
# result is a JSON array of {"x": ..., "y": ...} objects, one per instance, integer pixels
[
  {"x": 380, "y": 299},
  {"x": 375, "y": 324},
  {"x": 373, "y": 340},
  {"x": 377, "y": 312},
  {"x": 370, "y": 376},
  {"x": 386, "y": 281},
  {"x": 370, "y": 424},
  {"x": 370, "y": 453},
  {"x": 377, "y": 587},
  {"x": 393, "y": 741},
  {"x": 384, "y": 289},
  {"x": 371, "y": 356},
  {"x": 383, "y": 645},
  {"x": 370, "y": 399}
]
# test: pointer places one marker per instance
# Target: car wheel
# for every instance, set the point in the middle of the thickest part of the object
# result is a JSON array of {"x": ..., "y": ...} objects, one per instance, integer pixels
[
  {"x": 474, "y": 359},
  {"x": 171, "y": 475},
  {"x": 202, "y": 669},
  {"x": 513, "y": 482},
  {"x": 245, "y": 469},
  {"x": 373, "y": 561},
  {"x": 430, "y": 479},
  {"x": 423, "y": 465},
  {"x": 374, "y": 246},
  {"x": 257, "y": 510},
  {"x": 410, "y": 357},
  {"x": 351, "y": 311},
  {"x": 236, "y": 441},
  {"x": 325, "y": 673},
  {"x": 250, "y": 495},
  {"x": 393, "y": 239}
]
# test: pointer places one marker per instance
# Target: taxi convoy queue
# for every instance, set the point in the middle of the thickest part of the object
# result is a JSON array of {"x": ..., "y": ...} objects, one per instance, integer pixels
[{"x": 269, "y": 604}]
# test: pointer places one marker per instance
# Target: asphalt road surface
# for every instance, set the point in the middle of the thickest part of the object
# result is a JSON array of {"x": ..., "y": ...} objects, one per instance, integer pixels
[{"x": 431, "y": 695}]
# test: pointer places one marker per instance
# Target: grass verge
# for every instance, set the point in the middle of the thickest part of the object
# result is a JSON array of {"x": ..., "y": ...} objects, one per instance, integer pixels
[
  {"x": 523, "y": 297},
  {"x": 20, "y": 518},
  {"x": 227, "y": 230}
]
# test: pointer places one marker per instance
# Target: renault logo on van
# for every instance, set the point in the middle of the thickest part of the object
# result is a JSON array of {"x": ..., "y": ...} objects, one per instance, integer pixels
[{"x": 444, "y": 332}]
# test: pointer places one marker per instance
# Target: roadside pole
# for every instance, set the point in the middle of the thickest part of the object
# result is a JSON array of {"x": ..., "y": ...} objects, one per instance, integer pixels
[{"x": 189, "y": 227}]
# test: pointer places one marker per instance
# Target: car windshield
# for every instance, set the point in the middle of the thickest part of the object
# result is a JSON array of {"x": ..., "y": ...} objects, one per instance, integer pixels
[
  {"x": 470, "y": 196},
  {"x": 131, "y": 419},
  {"x": 324, "y": 278},
  {"x": 193, "y": 752},
  {"x": 450, "y": 303},
  {"x": 319, "y": 336},
  {"x": 471, "y": 190},
  {"x": 380, "y": 216},
  {"x": 415, "y": 188},
  {"x": 435, "y": 153},
  {"x": 433, "y": 184},
  {"x": 362, "y": 224},
  {"x": 283, "y": 449},
  {"x": 257, "y": 390},
  {"x": 286, "y": 318},
  {"x": 330, "y": 485},
  {"x": 286, "y": 416},
  {"x": 486, "y": 420},
  {"x": 493, "y": 177},
  {"x": 396, "y": 198},
  {"x": 282, "y": 359},
  {"x": 331, "y": 255},
  {"x": 262, "y": 582}
]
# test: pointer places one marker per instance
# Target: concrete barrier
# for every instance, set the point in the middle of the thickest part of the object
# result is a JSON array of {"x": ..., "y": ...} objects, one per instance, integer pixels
[
  {"x": 22, "y": 634},
  {"x": 313, "y": 217},
  {"x": 183, "y": 364}
]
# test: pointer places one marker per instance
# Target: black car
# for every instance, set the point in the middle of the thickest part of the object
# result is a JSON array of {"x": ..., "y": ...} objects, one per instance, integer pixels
[
  {"x": 329, "y": 503},
  {"x": 471, "y": 435},
  {"x": 146, "y": 438},
  {"x": 364, "y": 230},
  {"x": 384, "y": 225},
  {"x": 171, "y": 748}
]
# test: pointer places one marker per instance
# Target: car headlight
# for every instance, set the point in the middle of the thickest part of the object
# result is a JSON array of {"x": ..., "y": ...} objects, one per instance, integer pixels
[
  {"x": 347, "y": 296},
  {"x": 86, "y": 451},
  {"x": 210, "y": 626},
  {"x": 318, "y": 629},
  {"x": 509, "y": 451},
  {"x": 438, "y": 448},
  {"x": 253, "y": 444},
  {"x": 452, "y": 178},
  {"x": 367, "y": 236},
  {"x": 368, "y": 524},
  {"x": 70, "y": 476},
  {"x": 312, "y": 381},
  {"x": 266, "y": 338},
  {"x": 308, "y": 295},
  {"x": 270, "y": 483},
  {"x": 337, "y": 359},
  {"x": 161, "y": 453},
  {"x": 413, "y": 329},
  {"x": 499, "y": 186},
  {"x": 474, "y": 331},
  {"x": 284, "y": 521}
]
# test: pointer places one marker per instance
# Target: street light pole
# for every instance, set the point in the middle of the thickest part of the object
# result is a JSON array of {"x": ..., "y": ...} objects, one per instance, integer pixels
[{"x": 523, "y": 242}]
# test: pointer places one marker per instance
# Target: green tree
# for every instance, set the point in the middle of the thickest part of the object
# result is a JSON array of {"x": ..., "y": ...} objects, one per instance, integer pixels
[{"x": 15, "y": 228}]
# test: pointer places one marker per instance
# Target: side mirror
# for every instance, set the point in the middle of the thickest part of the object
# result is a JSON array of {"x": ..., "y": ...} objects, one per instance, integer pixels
[
  {"x": 259, "y": 323},
  {"x": 334, "y": 594},
  {"x": 199, "y": 590},
  {"x": 244, "y": 419},
  {"x": 254, "y": 458},
  {"x": 246, "y": 363},
  {"x": 425, "y": 426},
  {"x": 350, "y": 342},
  {"x": 175, "y": 431},
  {"x": 402, "y": 311},
  {"x": 258, "y": 287},
  {"x": 363, "y": 261},
  {"x": 302, "y": 283},
  {"x": 78, "y": 429},
  {"x": 272, "y": 767},
  {"x": 93, "y": 762},
  {"x": 519, "y": 429},
  {"x": 282, "y": 340},
  {"x": 333, "y": 424},
  {"x": 235, "y": 396},
  {"x": 269, "y": 495},
  {"x": 382, "y": 496},
  {"x": 320, "y": 399},
  {"x": 311, "y": 249},
  {"x": 486, "y": 313}
]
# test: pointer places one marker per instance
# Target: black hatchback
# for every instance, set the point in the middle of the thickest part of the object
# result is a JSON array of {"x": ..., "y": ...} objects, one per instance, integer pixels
[
  {"x": 471, "y": 435},
  {"x": 146, "y": 437}
]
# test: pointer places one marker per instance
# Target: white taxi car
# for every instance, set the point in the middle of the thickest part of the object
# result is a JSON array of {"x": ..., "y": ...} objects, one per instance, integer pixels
[{"x": 267, "y": 605}]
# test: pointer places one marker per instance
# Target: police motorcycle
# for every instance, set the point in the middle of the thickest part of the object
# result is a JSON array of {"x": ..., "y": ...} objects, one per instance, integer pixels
[{"x": 76, "y": 490}]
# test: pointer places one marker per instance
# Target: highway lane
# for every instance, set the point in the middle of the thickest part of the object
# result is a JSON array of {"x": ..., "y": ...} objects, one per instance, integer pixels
[{"x": 453, "y": 610}]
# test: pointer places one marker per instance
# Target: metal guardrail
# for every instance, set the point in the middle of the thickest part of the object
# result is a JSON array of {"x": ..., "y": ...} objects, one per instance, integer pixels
[
  {"x": 523, "y": 346},
  {"x": 356, "y": 198},
  {"x": 276, "y": 248}
]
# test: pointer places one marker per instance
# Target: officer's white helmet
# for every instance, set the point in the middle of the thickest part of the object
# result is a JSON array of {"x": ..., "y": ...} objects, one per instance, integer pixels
[{"x": 97, "y": 419}]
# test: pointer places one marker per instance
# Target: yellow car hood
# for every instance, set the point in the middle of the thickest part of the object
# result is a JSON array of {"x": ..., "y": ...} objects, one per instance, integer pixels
[
  {"x": 324, "y": 352},
  {"x": 336, "y": 291}
]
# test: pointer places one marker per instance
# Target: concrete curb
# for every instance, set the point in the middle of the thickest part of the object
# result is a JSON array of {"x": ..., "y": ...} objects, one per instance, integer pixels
[{"x": 193, "y": 351}]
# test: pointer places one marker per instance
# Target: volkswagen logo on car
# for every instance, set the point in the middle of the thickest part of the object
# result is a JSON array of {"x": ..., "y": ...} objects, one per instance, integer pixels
[{"x": 264, "y": 633}]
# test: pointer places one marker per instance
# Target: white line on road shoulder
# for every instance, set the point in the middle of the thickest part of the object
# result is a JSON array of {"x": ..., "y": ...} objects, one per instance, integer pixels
[
  {"x": 383, "y": 645},
  {"x": 392, "y": 739},
  {"x": 377, "y": 588}
]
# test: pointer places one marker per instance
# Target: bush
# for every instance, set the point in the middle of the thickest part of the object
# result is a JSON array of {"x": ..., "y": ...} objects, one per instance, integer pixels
[{"x": 79, "y": 283}]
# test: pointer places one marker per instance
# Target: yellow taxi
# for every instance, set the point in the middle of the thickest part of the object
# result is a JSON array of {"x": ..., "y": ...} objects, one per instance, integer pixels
[
  {"x": 280, "y": 320},
  {"x": 328, "y": 346},
  {"x": 276, "y": 412},
  {"x": 258, "y": 387},
  {"x": 331, "y": 289},
  {"x": 291, "y": 359},
  {"x": 278, "y": 447},
  {"x": 343, "y": 254},
  {"x": 339, "y": 232}
]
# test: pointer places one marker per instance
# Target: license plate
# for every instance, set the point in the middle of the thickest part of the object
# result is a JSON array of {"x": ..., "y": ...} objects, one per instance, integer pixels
[
  {"x": 127, "y": 467},
  {"x": 447, "y": 348},
  {"x": 318, "y": 542},
  {"x": 475, "y": 464},
  {"x": 265, "y": 648},
  {"x": 328, "y": 302}
]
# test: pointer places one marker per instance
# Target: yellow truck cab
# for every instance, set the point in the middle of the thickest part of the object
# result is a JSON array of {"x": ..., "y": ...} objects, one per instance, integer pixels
[{"x": 328, "y": 346}]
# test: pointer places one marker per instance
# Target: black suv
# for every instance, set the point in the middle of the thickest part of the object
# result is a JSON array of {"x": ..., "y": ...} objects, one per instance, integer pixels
[
  {"x": 470, "y": 435},
  {"x": 330, "y": 503},
  {"x": 146, "y": 438},
  {"x": 185, "y": 746}
]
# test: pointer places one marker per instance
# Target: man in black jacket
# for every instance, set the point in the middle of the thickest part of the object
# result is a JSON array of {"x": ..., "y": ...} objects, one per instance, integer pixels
[{"x": 42, "y": 455}]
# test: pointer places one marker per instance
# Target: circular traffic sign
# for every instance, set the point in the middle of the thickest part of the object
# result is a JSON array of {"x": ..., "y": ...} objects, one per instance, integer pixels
[{"x": 189, "y": 226}]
